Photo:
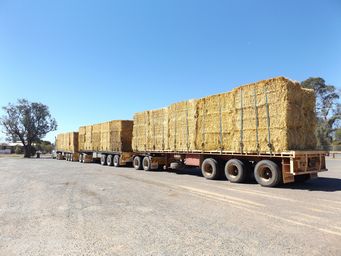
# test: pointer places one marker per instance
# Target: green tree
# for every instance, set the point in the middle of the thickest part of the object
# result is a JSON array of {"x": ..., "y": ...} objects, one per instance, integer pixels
[
  {"x": 337, "y": 140},
  {"x": 328, "y": 109},
  {"x": 28, "y": 122},
  {"x": 44, "y": 146}
]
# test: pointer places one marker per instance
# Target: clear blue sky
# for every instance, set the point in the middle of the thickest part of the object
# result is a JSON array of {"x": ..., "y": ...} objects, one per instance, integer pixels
[{"x": 93, "y": 61}]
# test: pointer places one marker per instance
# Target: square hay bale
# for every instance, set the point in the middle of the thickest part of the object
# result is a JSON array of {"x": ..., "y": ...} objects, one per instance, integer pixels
[
  {"x": 60, "y": 142},
  {"x": 158, "y": 130},
  {"x": 81, "y": 138},
  {"x": 141, "y": 131},
  {"x": 116, "y": 136},
  {"x": 88, "y": 138},
  {"x": 67, "y": 142},
  {"x": 182, "y": 119},
  {"x": 112, "y": 136},
  {"x": 272, "y": 115},
  {"x": 215, "y": 122},
  {"x": 96, "y": 137}
]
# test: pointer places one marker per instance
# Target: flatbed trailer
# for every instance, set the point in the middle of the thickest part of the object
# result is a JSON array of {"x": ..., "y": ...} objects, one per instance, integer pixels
[
  {"x": 269, "y": 169},
  {"x": 67, "y": 155},
  {"x": 110, "y": 158}
]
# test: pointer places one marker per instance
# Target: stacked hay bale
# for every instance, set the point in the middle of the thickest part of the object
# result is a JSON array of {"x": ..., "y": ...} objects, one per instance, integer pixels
[
  {"x": 215, "y": 123},
  {"x": 273, "y": 115},
  {"x": 116, "y": 136},
  {"x": 158, "y": 130},
  {"x": 182, "y": 118},
  {"x": 81, "y": 138},
  {"x": 67, "y": 142},
  {"x": 112, "y": 136},
  {"x": 96, "y": 137},
  {"x": 141, "y": 131}
]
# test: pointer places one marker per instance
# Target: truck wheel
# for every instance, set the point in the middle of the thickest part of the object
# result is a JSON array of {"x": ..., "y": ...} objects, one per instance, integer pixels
[
  {"x": 137, "y": 162},
  {"x": 109, "y": 160},
  {"x": 71, "y": 157},
  {"x": 146, "y": 163},
  {"x": 81, "y": 158},
  {"x": 267, "y": 173},
  {"x": 209, "y": 169},
  {"x": 235, "y": 171},
  {"x": 116, "y": 160},
  {"x": 103, "y": 159}
]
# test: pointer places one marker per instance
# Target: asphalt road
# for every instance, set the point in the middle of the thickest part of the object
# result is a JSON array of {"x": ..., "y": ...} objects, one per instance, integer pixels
[{"x": 50, "y": 207}]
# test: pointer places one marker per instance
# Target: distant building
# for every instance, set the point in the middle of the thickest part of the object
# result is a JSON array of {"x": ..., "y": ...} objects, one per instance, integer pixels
[{"x": 9, "y": 147}]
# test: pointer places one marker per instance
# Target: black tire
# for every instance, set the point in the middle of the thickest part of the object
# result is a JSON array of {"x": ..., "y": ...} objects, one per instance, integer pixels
[
  {"x": 109, "y": 160},
  {"x": 146, "y": 163},
  {"x": 103, "y": 159},
  {"x": 81, "y": 158},
  {"x": 235, "y": 171},
  {"x": 116, "y": 161},
  {"x": 137, "y": 163},
  {"x": 210, "y": 169},
  {"x": 71, "y": 157},
  {"x": 267, "y": 173}
]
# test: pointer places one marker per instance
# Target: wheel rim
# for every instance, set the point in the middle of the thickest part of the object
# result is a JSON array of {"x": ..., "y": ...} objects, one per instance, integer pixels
[
  {"x": 208, "y": 169},
  {"x": 145, "y": 163},
  {"x": 116, "y": 160},
  {"x": 136, "y": 162},
  {"x": 265, "y": 173},
  {"x": 103, "y": 160},
  {"x": 233, "y": 170},
  {"x": 109, "y": 160}
]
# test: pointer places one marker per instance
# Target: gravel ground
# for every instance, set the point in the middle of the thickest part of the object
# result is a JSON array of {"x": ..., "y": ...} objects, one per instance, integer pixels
[{"x": 50, "y": 207}]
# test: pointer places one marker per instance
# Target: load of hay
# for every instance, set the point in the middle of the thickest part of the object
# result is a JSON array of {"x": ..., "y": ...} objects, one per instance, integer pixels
[
  {"x": 273, "y": 115},
  {"x": 151, "y": 130},
  {"x": 67, "y": 142},
  {"x": 112, "y": 136},
  {"x": 182, "y": 118}
]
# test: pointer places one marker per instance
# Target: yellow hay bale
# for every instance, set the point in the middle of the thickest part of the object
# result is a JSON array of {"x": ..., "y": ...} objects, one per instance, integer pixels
[
  {"x": 215, "y": 122},
  {"x": 81, "y": 138},
  {"x": 273, "y": 115},
  {"x": 88, "y": 138},
  {"x": 141, "y": 131},
  {"x": 182, "y": 118},
  {"x": 112, "y": 136},
  {"x": 158, "y": 130},
  {"x": 67, "y": 142},
  {"x": 270, "y": 115},
  {"x": 116, "y": 136},
  {"x": 96, "y": 137}
]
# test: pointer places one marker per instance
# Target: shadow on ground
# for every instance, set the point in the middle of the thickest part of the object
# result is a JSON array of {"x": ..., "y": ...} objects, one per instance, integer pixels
[{"x": 319, "y": 184}]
